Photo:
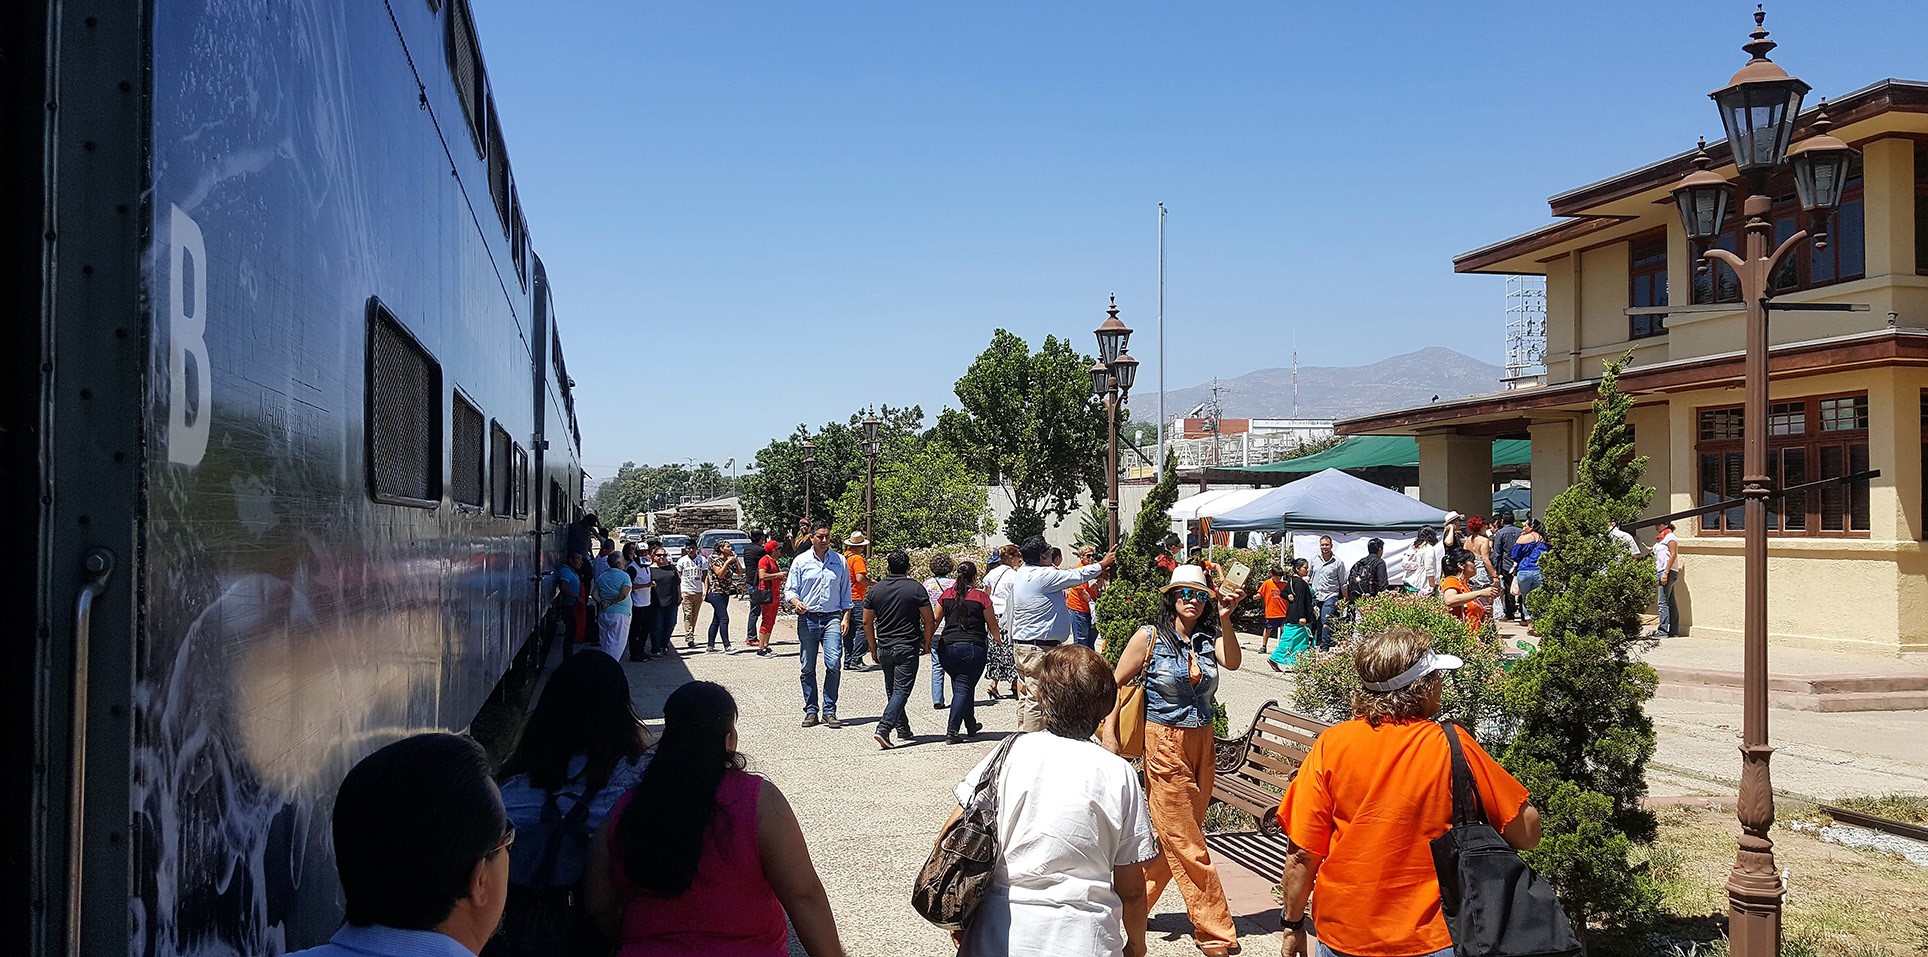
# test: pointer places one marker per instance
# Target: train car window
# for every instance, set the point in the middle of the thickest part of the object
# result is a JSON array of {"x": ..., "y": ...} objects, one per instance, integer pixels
[
  {"x": 404, "y": 415},
  {"x": 465, "y": 67},
  {"x": 465, "y": 454},
  {"x": 555, "y": 502},
  {"x": 501, "y": 480},
  {"x": 519, "y": 464},
  {"x": 498, "y": 167}
]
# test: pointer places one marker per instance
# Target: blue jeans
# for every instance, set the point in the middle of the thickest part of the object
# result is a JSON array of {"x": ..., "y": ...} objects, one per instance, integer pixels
[
  {"x": 964, "y": 662},
  {"x": 719, "y": 618},
  {"x": 1328, "y": 607},
  {"x": 855, "y": 644},
  {"x": 1669, "y": 613},
  {"x": 1528, "y": 579},
  {"x": 1081, "y": 630},
  {"x": 900, "y": 675},
  {"x": 937, "y": 677},
  {"x": 1321, "y": 950},
  {"x": 820, "y": 631}
]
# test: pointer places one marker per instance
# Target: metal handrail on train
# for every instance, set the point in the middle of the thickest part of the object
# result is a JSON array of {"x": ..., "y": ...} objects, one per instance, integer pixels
[{"x": 99, "y": 565}]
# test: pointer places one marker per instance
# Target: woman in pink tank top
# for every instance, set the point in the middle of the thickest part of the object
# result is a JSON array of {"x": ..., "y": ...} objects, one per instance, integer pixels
[{"x": 702, "y": 857}]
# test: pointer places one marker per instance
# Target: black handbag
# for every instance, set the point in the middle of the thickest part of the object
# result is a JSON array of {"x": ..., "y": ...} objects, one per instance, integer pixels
[
  {"x": 954, "y": 880},
  {"x": 1495, "y": 905}
]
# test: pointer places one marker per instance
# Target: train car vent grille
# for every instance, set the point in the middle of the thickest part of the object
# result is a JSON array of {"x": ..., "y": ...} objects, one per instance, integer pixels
[
  {"x": 501, "y": 482},
  {"x": 465, "y": 67},
  {"x": 404, "y": 427},
  {"x": 465, "y": 455}
]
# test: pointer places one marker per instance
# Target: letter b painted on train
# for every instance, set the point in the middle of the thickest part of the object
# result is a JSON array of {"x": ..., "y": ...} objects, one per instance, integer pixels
[{"x": 187, "y": 348}]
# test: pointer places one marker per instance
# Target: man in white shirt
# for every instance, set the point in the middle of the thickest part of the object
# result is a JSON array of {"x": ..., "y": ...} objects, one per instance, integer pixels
[
  {"x": 1624, "y": 537},
  {"x": 690, "y": 589},
  {"x": 1037, "y": 618}
]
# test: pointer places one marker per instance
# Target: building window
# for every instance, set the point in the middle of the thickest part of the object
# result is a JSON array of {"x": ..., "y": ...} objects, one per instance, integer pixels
[
  {"x": 404, "y": 408},
  {"x": 1809, "y": 439},
  {"x": 466, "y": 465},
  {"x": 1921, "y": 208},
  {"x": 1647, "y": 284},
  {"x": 1844, "y": 259}
]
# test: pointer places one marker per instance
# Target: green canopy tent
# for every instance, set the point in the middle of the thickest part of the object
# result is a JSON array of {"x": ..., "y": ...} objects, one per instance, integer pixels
[{"x": 1382, "y": 451}]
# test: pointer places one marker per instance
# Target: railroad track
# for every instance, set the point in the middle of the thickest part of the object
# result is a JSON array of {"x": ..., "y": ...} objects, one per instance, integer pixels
[{"x": 1876, "y": 823}]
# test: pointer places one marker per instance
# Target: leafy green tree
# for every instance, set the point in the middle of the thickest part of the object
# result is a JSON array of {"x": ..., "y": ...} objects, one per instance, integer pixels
[
  {"x": 1028, "y": 422},
  {"x": 1585, "y": 738},
  {"x": 1130, "y": 599},
  {"x": 641, "y": 488},
  {"x": 773, "y": 495},
  {"x": 929, "y": 497}
]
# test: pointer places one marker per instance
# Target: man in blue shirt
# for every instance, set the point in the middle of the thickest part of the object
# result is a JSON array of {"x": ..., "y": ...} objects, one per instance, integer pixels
[
  {"x": 568, "y": 597},
  {"x": 1036, "y": 619},
  {"x": 818, "y": 590},
  {"x": 422, "y": 850}
]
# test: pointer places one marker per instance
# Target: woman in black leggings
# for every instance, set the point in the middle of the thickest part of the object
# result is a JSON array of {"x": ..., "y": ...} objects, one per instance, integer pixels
[{"x": 969, "y": 624}]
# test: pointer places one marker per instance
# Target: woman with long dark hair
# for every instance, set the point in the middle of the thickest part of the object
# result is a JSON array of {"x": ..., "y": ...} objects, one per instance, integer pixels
[
  {"x": 580, "y": 750},
  {"x": 1180, "y": 657},
  {"x": 970, "y": 625},
  {"x": 712, "y": 859}
]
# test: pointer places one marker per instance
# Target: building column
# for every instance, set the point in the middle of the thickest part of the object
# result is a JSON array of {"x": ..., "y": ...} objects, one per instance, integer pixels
[
  {"x": 1456, "y": 472},
  {"x": 1553, "y": 458},
  {"x": 1888, "y": 187}
]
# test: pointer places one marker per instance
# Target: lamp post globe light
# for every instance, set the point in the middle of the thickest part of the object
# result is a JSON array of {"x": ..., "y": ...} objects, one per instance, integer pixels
[
  {"x": 1111, "y": 379},
  {"x": 1759, "y": 108},
  {"x": 871, "y": 422}
]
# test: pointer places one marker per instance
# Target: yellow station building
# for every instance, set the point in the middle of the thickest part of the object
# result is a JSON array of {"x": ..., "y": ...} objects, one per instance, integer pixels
[{"x": 1849, "y": 390}]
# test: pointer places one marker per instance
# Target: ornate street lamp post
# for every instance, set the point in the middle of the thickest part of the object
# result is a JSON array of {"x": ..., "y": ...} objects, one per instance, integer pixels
[
  {"x": 809, "y": 459},
  {"x": 1759, "y": 108},
  {"x": 871, "y": 422},
  {"x": 1111, "y": 379}
]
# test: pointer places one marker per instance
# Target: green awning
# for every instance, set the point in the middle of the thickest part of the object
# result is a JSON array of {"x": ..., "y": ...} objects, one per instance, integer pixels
[{"x": 1383, "y": 451}]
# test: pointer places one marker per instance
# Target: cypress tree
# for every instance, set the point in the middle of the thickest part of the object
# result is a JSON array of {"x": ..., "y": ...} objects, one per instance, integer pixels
[
  {"x": 1585, "y": 739},
  {"x": 1130, "y": 599}
]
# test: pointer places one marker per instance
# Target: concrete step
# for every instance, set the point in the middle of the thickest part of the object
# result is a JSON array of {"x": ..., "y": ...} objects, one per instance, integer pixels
[{"x": 1800, "y": 692}]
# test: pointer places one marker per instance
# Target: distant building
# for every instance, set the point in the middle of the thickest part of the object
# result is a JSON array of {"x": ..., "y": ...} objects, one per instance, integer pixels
[{"x": 1204, "y": 443}]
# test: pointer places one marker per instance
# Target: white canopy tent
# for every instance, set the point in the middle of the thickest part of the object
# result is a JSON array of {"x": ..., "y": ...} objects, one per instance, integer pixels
[{"x": 1209, "y": 504}]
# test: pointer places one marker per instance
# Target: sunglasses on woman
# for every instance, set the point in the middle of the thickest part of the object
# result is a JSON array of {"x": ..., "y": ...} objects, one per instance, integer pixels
[{"x": 1193, "y": 594}]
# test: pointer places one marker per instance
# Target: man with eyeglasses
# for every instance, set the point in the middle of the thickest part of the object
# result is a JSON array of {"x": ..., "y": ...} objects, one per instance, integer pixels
[
  {"x": 422, "y": 851},
  {"x": 1079, "y": 600}
]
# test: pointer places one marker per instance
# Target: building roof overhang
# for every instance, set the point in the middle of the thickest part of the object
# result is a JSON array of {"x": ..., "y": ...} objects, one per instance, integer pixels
[
  {"x": 1884, "y": 108},
  {"x": 1500, "y": 414}
]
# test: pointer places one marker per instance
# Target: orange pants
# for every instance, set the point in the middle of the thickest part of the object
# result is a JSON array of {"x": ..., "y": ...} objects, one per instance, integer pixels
[{"x": 1178, "y": 786}]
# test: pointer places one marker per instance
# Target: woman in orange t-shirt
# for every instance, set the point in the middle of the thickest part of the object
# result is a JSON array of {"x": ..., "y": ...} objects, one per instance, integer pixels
[
  {"x": 1369, "y": 799},
  {"x": 1467, "y": 603}
]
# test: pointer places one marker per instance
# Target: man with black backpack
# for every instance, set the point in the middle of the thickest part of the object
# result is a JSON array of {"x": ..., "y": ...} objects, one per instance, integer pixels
[{"x": 1369, "y": 577}]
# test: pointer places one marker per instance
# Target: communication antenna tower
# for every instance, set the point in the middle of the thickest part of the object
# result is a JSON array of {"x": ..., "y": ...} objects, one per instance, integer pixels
[{"x": 1525, "y": 331}]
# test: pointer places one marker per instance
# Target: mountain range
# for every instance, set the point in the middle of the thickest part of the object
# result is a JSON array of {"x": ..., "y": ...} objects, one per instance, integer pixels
[{"x": 1331, "y": 392}]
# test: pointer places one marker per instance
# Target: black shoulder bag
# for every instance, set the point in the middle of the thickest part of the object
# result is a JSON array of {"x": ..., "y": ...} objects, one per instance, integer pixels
[
  {"x": 1495, "y": 905},
  {"x": 954, "y": 880},
  {"x": 545, "y": 914}
]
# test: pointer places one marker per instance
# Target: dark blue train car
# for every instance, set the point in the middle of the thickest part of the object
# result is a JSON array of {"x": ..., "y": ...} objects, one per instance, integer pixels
[{"x": 288, "y": 439}]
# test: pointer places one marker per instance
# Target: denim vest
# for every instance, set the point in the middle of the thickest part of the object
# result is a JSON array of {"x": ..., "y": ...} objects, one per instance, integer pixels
[{"x": 1170, "y": 697}]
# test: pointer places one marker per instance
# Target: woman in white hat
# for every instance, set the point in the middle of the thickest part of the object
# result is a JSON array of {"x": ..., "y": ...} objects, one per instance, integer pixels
[
  {"x": 1368, "y": 801},
  {"x": 1180, "y": 656}
]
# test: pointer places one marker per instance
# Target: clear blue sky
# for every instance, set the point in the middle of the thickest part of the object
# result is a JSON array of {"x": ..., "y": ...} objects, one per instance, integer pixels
[{"x": 842, "y": 199}]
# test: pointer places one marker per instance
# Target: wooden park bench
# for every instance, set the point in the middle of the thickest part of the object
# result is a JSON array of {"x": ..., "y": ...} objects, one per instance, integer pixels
[{"x": 1254, "y": 770}]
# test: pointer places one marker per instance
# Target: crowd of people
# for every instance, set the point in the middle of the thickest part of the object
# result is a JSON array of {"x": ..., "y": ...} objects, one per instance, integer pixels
[{"x": 592, "y": 838}]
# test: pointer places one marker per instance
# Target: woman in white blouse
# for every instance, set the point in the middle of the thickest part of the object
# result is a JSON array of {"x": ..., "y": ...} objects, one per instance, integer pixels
[{"x": 1073, "y": 834}]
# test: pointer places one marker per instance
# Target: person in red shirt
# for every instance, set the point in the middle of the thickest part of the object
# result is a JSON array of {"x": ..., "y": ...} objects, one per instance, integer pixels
[
  {"x": 769, "y": 577},
  {"x": 1368, "y": 801}
]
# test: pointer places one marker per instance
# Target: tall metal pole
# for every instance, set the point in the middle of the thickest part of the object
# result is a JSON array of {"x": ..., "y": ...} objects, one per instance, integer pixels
[
  {"x": 1161, "y": 363},
  {"x": 1754, "y": 889},
  {"x": 1111, "y": 459},
  {"x": 870, "y": 489}
]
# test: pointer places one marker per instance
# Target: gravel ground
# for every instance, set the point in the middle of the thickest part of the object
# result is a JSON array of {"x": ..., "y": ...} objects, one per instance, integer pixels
[{"x": 870, "y": 815}]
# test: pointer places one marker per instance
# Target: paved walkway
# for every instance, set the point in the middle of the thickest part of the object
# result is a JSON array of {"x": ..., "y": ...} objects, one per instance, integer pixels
[{"x": 870, "y": 815}]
